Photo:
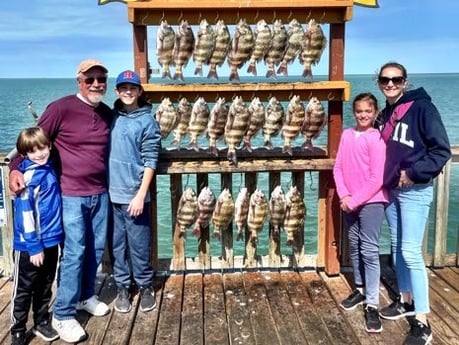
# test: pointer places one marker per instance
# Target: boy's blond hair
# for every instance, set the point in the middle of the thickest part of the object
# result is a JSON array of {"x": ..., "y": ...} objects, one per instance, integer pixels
[{"x": 31, "y": 138}]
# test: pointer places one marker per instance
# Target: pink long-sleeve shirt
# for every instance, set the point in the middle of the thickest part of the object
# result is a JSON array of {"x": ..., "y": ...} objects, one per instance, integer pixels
[{"x": 359, "y": 167}]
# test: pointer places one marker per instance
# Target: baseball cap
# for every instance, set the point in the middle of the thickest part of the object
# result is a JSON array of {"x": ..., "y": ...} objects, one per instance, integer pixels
[
  {"x": 87, "y": 64},
  {"x": 128, "y": 77}
]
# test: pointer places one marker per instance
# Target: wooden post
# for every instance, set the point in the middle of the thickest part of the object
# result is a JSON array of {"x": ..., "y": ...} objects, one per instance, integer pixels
[
  {"x": 250, "y": 248},
  {"x": 274, "y": 238},
  {"x": 202, "y": 180},
  {"x": 141, "y": 52},
  {"x": 227, "y": 234},
  {"x": 178, "y": 251},
  {"x": 441, "y": 216}
]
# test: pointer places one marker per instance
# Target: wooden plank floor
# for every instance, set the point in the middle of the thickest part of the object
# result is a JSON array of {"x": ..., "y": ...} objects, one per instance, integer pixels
[{"x": 255, "y": 307}]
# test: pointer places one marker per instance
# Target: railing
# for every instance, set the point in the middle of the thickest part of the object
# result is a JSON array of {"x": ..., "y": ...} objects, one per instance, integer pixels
[{"x": 263, "y": 170}]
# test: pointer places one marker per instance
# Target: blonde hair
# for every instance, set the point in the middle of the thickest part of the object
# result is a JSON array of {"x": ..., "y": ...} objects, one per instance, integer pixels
[{"x": 31, "y": 138}]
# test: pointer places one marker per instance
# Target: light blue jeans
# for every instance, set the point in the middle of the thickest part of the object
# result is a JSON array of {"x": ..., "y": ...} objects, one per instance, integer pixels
[
  {"x": 85, "y": 226},
  {"x": 131, "y": 247},
  {"x": 364, "y": 230},
  {"x": 407, "y": 215}
]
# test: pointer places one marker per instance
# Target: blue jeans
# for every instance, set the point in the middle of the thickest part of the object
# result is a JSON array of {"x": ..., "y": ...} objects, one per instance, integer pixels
[
  {"x": 131, "y": 247},
  {"x": 407, "y": 215},
  {"x": 85, "y": 226},
  {"x": 364, "y": 230}
]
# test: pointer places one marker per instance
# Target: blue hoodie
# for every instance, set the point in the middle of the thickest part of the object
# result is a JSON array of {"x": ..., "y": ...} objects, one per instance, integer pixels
[
  {"x": 135, "y": 141},
  {"x": 38, "y": 209},
  {"x": 419, "y": 143}
]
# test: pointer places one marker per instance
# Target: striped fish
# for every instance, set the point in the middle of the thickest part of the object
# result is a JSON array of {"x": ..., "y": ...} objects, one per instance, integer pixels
[
  {"x": 198, "y": 122},
  {"x": 314, "y": 122},
  {"x": 277, "y": 48},
  {"x": 204, "y": 45},
  {"x": 167, "y": 117},
  {"x": 187, "y": 209},
  {"x": 274, "y": 118},
  {"x": 241, "y": 211},
  {"x": 183, "y": 48},
  {"x": 241, "y": 48},
  {"x": 222, "y": 45},
  {"x": 256, "y": 121},
  {"x": 294, "y": 215},
  {"x": 277, "y": 208},
  {"x": 262, "y": 40},
  {"x": 165, "y": 41},
  {"x": 184, "y": 114},
  {"x": 294, "y": 45},
  {"x": 216, "y": 124},
  {"x": 313, "y": 47},
  {"x": 258, "y": 210},
  {"x": 293, "y": 121},
  {"x": 236, "y": 126},
  {"x": 223, "y": 212},
  {"x": 206, "y": 205}
]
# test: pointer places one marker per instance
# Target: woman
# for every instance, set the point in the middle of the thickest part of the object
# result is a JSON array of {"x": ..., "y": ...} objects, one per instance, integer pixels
[{"x": 417, "y": 149}]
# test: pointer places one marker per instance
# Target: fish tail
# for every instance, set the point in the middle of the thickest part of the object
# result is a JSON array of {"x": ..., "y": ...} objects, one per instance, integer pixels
[
  {"x": 212, "y": 73},
  {"x": 282, "y": 70},
  {"x": 308, "y": 144},
  {"x": 247, "y": 146},
  {"x": 252, "y": 68},
  {"x": 234, "y": 76},
  {"x": 198, "y": 71},
  {"x": 166, "y": 74},
  {"x": 268, "y": 144},
  {"x": 232, "y": 157},
  {"x": 213, "y": 151},
  {"x": 178, "y": 76},
  {"x": 271, "y": 74},
  {"x": 307, "y": 72},
  {"x": 287, "y": 149},
  {"x": 193, "y": 146}
]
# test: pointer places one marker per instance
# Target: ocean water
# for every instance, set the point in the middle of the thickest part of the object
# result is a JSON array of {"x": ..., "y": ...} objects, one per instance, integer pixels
[{"x": 17, "y": 94}]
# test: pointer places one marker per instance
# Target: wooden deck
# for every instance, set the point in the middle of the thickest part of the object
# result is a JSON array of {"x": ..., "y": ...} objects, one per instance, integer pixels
[{"x": 255, "y": 307}]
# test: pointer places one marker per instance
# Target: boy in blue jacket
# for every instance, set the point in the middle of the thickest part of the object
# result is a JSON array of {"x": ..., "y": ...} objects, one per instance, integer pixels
[{"x": 37, "y": 235}]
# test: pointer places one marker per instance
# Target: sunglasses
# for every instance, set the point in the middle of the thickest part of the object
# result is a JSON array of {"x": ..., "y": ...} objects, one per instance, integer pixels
[
  {"x": 90, "y": 80},
  {"x": 394, "y": 80}
]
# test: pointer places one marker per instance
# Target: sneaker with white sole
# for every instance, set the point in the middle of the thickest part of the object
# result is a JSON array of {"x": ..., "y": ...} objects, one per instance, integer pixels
[
  {"x": 93, "y": 306},
  {"x": 147, "y": 299},
  {"x": 69, "y": 330},
  {"x": 45, "y": 331}
]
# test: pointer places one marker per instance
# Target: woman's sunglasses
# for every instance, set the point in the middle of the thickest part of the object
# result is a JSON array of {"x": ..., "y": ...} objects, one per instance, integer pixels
[{"x": 394, "y": 80}]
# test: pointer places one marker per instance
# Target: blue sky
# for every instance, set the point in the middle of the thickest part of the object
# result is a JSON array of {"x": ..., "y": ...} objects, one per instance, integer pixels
[{"x": 48, "y": 38}]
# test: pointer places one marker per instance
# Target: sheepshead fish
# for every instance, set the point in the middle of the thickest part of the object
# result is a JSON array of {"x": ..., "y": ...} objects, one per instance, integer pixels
[
  {"x": 223, "y": 212},
  {"x": 216, "y": 125},
  {"x": 198, "y": 122},
  {"x": 258, "y": 210},
  {"x": 277, "y": 208},
  {"x": 167, "y": 117},
  {"x": 313, "y": 47},
  {"x": 293, "y": 122},
  {"x": 294, "y": 215},
  {"x": 295, "y": 41},
  {"x": 256, "y": 121},
  {"x": 241, "y": 48},
  {"x": 314, "y": 121},
  {"x": 274, "y": 117},
  {"x": 165, "y": 41},
  {"x": 277, "y": 48},
  {"x": 184, "y": 113},
  {"x": 236, "y": 126},
  {"x": 183, "y": 48},
  {"x": 241, "y": 211},
  {"x": 206, "y": 205},
  {"x": 222, "y": 45},
  {"x": 204, "y": 45},
  {"x": 187, "y": 209},
  {"x": 262, "y": 40}
]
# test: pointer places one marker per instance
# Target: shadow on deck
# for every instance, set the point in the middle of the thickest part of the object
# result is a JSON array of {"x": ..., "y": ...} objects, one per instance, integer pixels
[{"x": 256, "y": 307}]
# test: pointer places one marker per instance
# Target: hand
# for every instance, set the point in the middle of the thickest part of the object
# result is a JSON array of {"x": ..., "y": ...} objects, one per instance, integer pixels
[
  {"x": 404, "y": 180},
  {"x": 343, "y": 204},
  {"x": 135, "y": 207},
  {"x": 17, "y": 183},
  {"x": 37, "y": 259}
]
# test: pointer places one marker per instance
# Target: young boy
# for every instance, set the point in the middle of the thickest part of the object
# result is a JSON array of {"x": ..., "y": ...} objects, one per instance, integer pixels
[
  {"x": 37, "y": 235},
  {"x": 135, "y": 141}
]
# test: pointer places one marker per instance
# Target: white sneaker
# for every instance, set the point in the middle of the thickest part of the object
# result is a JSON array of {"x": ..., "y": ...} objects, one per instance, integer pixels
[
  {"x": 93, "y": 306},
  {"x": 70, "y": 330}
]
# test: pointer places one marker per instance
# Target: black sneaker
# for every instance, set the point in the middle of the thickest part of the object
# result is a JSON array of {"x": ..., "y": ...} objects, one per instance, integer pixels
[
  {"x": 396, "y": 310},
  {"x": 372, "y": 322},
  {"x": 420, "y": 334},
  {"x": 123, "y": 303},
  {"x": 147, "y": 299},
  {"x": 18, "y": 338},
  {"x": 353, "y": 300},
  {"x": 45, "y": 331}
]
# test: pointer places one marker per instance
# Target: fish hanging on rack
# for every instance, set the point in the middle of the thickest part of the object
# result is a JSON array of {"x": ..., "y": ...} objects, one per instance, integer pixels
[
  {"x": 204, "y": 46},
  {"x": 313, "y": 47},
  {"x": 293, "y": 121},
  {"x": 183, "y": 48},
  {"x": 241, "y": 211},
  {"x": 274, "y": 117},
  {"x": 295, "y": 41},
  {"x": 277, "y": 207},
  {"x": 184, "y": 114},
  {"x": 256, "y": 121},
  {"x": 165, "y": 41},
  {"x": 277, "y": 48},
  {"x": 258, "y": 211},
  {"x": 295, "y": 214},
  {"x": 216, "y": 124},
  {"x": 198, "y": 122},
  {"x": 187, "y": 210},
  {"x": 222, "y": 45},
  {"x": 241, "y": 48},
  {"x": 167, "y": 117},
  {"x": 262, "y": 40},
  {"x": 314, "y": 122},
  {"x": 236, "y": 126},
  {"x": 223, "y": 212},
  {"x": 206, "y": 205}
]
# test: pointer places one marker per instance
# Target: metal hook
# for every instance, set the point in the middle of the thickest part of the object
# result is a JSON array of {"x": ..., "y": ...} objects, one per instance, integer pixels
[
  {"x": 216, "y": 18},
  {"x": 144, "y": 18},
  {"x": 180, "y": 17},
  {"x": 331, "y": 96},
  {"x": 311, "y": 181},
  {"x": 274, "y": 16},
  {"x": 310, "y": 95},
  {"x": 256, "y": 16},
  {"x": 241, "y": 185},
  {"x": 290, "y": 15},
  {"x": 309, "y": 15},
  {"x": 323, "y": 16},
  {"x": 162, "y": 18},
  {"x": 187, "y": 181}
]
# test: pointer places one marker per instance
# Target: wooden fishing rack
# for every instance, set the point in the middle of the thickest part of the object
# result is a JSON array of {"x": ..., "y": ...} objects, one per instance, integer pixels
[{"x": 178, "y": 162}]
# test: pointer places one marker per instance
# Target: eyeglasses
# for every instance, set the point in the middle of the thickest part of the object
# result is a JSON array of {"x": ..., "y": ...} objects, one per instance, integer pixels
[
  {"x": 90, "y": 80},
  {"x": 394, "y": 80}
]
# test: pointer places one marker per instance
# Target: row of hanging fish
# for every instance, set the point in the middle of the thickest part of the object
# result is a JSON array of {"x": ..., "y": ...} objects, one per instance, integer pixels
[
  {"x": 285, "y": 212},
  {"x": 278, "y": 46},
  {"x": 238, "y": 123}
]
